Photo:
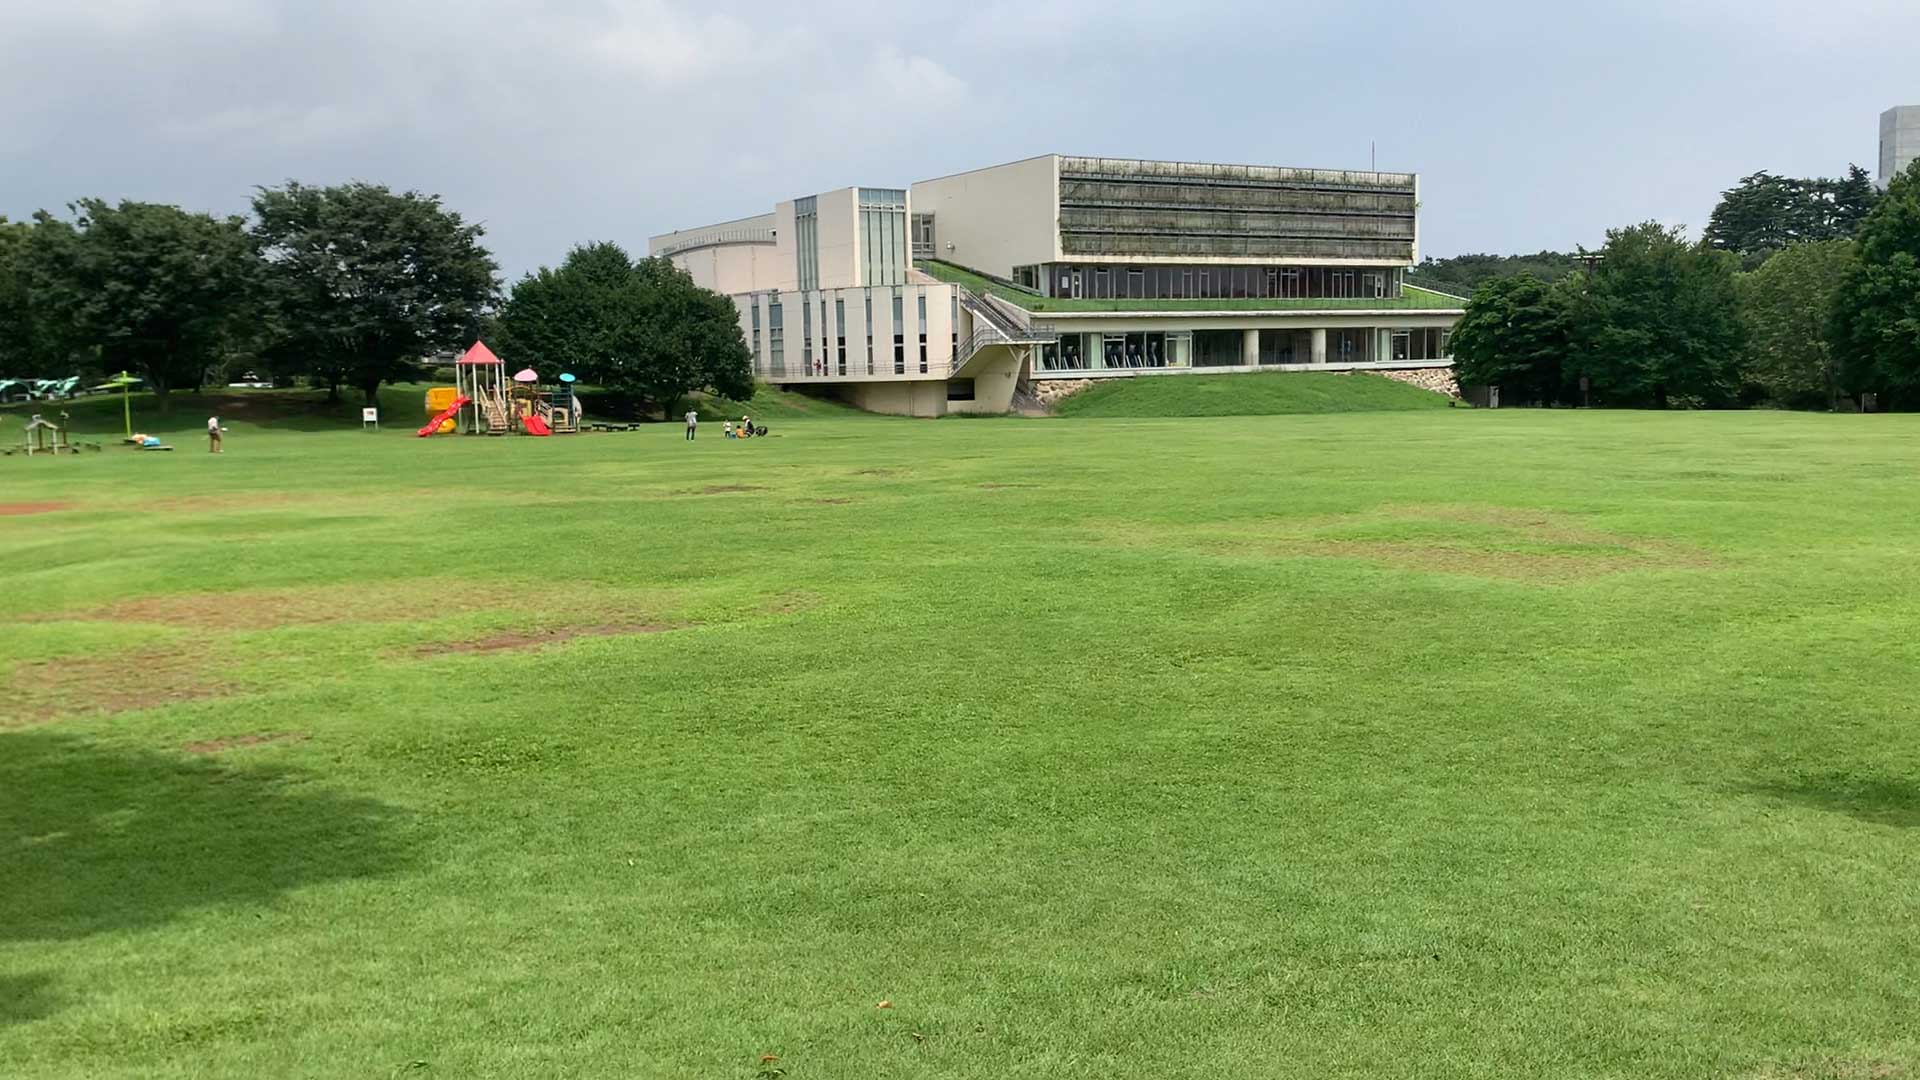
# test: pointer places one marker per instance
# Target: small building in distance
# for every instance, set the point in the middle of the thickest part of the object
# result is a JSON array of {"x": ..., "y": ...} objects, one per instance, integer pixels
[{"x": 954, "y": 293}]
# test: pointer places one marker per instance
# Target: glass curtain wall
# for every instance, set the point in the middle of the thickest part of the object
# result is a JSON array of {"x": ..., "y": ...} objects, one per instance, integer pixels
[
  {"x": 884, "y": 243},
  {"x": 1139, "y": 349},
  {"x": 806, "y": 241}
]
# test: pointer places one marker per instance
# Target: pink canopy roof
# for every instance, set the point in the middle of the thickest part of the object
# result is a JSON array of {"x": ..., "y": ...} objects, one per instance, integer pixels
[
  {"x": 525, "y": 375},
  {"x": 479, "y": 354}
]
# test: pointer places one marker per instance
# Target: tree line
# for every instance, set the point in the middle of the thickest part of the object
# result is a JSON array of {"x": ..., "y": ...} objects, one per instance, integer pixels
[
  {"x": 1799, "y": 294},
  {"x": 352, "y": 285}
]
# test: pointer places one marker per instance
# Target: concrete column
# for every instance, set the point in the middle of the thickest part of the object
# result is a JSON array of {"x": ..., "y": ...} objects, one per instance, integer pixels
[
  {"x": 1319, "y": 346},
  {"x": 1250, "y": 348}
]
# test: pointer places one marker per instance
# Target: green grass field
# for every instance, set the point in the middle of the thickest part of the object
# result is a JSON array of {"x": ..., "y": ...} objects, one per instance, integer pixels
[
  {"x": 1263, "y": 394},
  {"x": 1395, "y": 744}
]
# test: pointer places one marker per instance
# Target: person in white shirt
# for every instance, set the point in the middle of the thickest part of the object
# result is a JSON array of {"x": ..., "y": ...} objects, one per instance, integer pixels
[
  {"x": 693, "y": 421},
  {"x": 213, "y": 434}
]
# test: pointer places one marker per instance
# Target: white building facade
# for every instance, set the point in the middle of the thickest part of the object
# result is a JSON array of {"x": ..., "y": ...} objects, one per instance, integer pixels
[{"x": 956, "y": 293}]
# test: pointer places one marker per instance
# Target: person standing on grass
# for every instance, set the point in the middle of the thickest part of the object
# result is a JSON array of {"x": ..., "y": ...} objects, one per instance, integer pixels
[
  {"x": 213, "y": 435},
  {"x": 693, "y": 422}
]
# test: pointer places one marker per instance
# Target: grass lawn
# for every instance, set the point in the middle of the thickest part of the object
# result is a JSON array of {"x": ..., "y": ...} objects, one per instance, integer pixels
[
  {"x": 1259, "y": 394},
  {"x": 1397, "y": 744}
]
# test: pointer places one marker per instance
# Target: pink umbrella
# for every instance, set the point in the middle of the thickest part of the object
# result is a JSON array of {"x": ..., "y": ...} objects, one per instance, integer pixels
[{"x": 526, "y": 375}]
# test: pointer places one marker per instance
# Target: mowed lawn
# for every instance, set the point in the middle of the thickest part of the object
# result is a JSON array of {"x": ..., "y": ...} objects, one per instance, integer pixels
[{"x": 1440, "y": 743}]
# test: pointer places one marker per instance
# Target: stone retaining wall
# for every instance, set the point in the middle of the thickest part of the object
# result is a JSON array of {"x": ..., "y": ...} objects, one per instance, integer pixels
[
  {"x": 1051, "y": 391},
  {"x": 1440, "y": 380}
]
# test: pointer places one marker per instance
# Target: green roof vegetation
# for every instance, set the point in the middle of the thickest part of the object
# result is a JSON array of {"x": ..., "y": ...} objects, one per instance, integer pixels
[
  {"x": 1413, "y": 298},
  {"x": 1266, "y": 393}
]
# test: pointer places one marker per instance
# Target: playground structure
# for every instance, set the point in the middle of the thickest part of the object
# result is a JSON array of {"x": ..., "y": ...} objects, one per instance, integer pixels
[
  {"x": 43, "y": 436},
  {"x": 483, "y": 400}
]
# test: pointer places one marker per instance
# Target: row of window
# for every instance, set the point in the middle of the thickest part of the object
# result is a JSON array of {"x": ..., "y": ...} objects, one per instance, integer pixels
[
  {"x": 831, "y": 358},
  {"x": 1108, "y": 282},
  {"x": 1227, "y": 348}
]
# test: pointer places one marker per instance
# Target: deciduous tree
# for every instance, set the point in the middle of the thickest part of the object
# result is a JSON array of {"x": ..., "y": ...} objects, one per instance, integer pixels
[
  {"x": 154, "y": 288},
  {"x": 363, "y": 280},
  {"x": 1658, "y": 321},
  {"x": 1515, "y": 335},
  {"x": 1876, "y": 317},
  {"x": 1788, "y": 304},
  {"x": 638, "y": 328}
]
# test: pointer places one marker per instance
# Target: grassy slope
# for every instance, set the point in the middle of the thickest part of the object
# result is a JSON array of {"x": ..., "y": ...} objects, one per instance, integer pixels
[
  {"x": 1413, "y": 298},
  {"x": 1488, "y": 744},
  {"x": 1247, "y": 395}
]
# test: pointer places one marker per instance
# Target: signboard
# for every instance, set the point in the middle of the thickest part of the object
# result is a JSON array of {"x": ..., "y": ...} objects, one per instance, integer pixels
[{"x": 369, "y": 417}]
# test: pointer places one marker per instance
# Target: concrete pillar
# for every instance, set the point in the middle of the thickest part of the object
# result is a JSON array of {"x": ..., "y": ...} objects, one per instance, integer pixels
[
  {"x": 1250, "y": 348},
  {"x": 1319, "y": 346}
]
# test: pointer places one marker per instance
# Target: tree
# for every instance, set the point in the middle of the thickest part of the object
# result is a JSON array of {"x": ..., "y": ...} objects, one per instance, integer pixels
[
  {"x": 1658, "y": 320},
  {"x": 1462, "y": 274},
  {"x": 1787, "y": 304},
  {"x": 1765, "y": 213},
  {"x": 643, "y": 329},
  {"x": 156, "y": 289},
  {"x": 1876, "y": 317},
  {"x": 1515, "y": 335},
  {"x": 363, "y": 281}
]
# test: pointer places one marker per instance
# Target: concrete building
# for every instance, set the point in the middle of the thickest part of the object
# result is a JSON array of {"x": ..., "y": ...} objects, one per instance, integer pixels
[
  {"x": 1899, "y": 140},
  {"x": 1074, "y": 268}
]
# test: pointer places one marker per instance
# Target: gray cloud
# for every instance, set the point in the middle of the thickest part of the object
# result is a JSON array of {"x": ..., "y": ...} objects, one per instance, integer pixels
[{"x": 578, "y": 120}]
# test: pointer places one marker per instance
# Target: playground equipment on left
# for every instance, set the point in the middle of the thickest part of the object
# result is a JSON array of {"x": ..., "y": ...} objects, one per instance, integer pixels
[{"x": 483, "y": 401}]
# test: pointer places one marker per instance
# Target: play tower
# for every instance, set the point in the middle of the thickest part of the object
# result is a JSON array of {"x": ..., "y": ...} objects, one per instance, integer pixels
[{"x": 481, "y": 378}]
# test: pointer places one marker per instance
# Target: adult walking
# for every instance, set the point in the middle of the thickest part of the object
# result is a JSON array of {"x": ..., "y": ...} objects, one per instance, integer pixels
[
  {"x": 693, "y": 422},
  {"x": 214, "y": 431}
]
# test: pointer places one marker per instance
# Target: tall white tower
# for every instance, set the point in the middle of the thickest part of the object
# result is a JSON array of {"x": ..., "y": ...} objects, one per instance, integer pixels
[{"x": 1899, "y": 140}]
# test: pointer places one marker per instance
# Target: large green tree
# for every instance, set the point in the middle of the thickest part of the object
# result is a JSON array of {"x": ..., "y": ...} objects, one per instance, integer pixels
[
  {"x": 1515, "y": 335},
  {"x": 642, "y": 329},
  {"x": 153, "y": 288},
  {"x": 1658, "y": 320},
  {"x": 1876, "y": 316},
  {"x": 1787, "y": 304},
  {"x": 364, "y": 281}
]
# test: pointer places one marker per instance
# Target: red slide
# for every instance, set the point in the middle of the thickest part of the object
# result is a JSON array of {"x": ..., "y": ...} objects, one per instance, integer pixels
[
  {"x": 535, "y": 425},
  {"x": 446, "y": 414}
]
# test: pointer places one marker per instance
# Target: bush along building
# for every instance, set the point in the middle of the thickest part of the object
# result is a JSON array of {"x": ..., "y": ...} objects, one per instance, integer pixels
[{"x": 959, "y": 293}]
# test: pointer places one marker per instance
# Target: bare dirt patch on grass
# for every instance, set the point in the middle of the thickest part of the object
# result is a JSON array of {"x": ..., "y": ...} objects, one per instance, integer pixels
[
  {"x": 38, "y": 691},
  {"x": 724, "y": 489},
  {"x": 20, "y": 509},
  {"x": 239, "y": 742},
  {"x": 1004, "y": 487},
  {"x": 876, "y": 472},
  {"x": 518, "y": 640},
  {"x": 829, "y": 502}
]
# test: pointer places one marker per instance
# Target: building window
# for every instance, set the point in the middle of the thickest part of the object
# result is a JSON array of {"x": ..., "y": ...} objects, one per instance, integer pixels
[
  {"x": 899, "y": 334},
  {"x": 953, "y": 324},
  {"x": 806, "y": 249},
  {"x": 869, "y": 331},
  {"x": 775, "y": 347},
  {"x": 923, "y": 333},
  {"x": 1136, "y": 284},
  {"x": 753, "y": 303},
  {"x": 923, "y": 245},
  {"x": 883, "y": 235},
  {"x": 1102, "y": 290},
  {"x": 840, "y": 324},
  {"x": 1446, "y": 344},
  {"x": 825, "y": 334},
  {"x": 960, "y": 390},
  {"x": 806, "y": 336}
]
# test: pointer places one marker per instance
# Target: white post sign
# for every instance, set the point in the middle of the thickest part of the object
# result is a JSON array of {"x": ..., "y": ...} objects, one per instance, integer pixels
[{"x": 369, "y": 418}]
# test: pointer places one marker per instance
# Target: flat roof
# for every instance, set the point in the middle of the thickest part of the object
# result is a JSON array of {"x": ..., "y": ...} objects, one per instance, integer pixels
[{"x": 1164, "y": 161}]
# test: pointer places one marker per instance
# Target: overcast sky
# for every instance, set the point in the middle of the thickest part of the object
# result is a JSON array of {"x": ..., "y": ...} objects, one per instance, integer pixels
[{"x": 1533, "y": 124}]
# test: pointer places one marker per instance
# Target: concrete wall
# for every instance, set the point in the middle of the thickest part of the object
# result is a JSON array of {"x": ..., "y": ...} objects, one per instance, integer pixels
[
  {"x": 898, "y": 398},
  {"x": 1899, "y": 140},
  {"x": 799, "y": 362},
  {"x": 838, "y": 219},
  {"x": 995, "y": 374},
  {"x": 731, "y": 268},
  {"x": 995, "y": 218}
]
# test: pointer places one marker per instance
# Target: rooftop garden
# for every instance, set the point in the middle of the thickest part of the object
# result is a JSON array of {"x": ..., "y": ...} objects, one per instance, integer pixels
[{"x": 1413, "y": 298}]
